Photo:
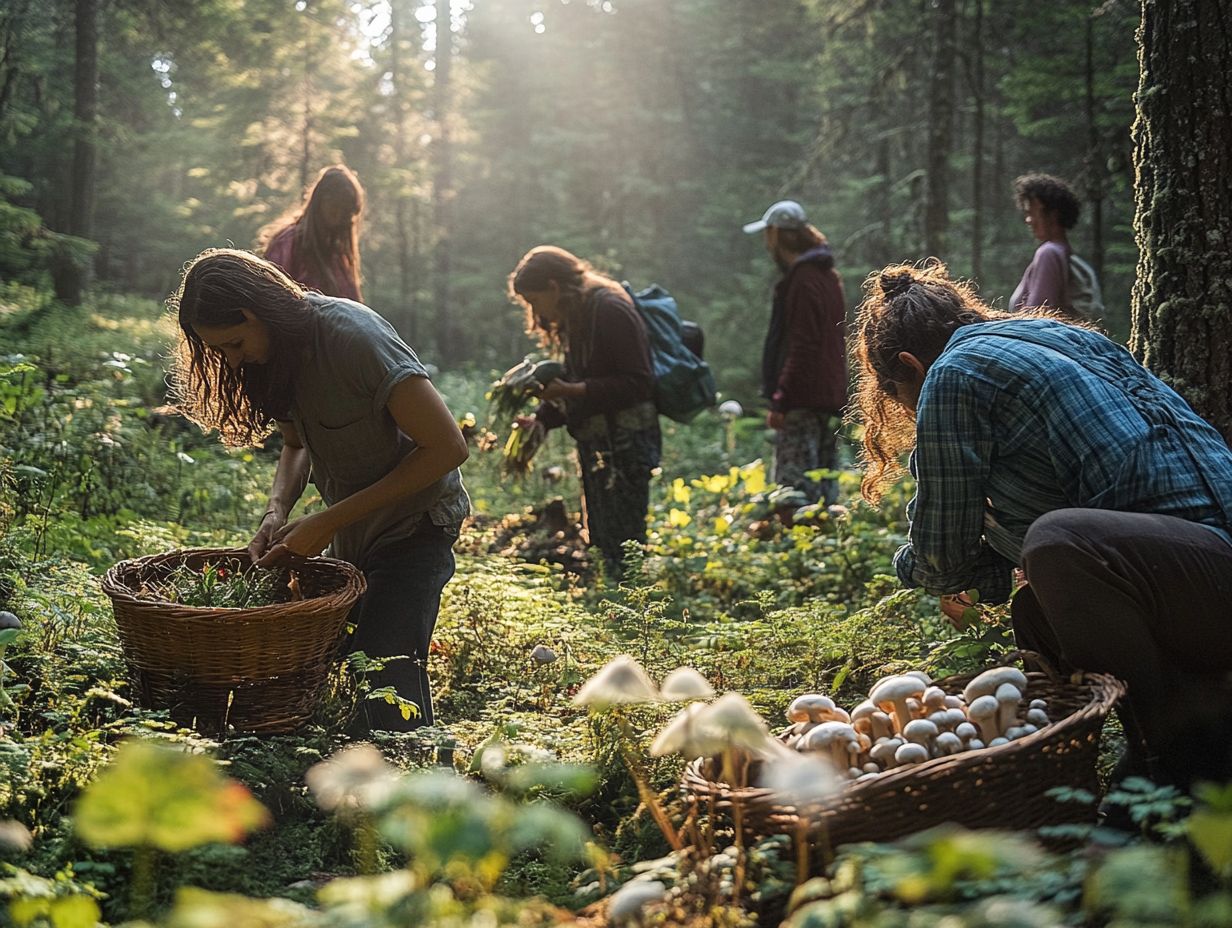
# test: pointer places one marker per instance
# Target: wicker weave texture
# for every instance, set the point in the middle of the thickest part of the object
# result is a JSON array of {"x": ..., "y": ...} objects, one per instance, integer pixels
[
  {"x": 257, "y": 669},
  {"x": 1001, "y": 787}
]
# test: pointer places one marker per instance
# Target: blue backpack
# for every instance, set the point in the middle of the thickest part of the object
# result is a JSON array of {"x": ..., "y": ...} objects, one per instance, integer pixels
[{"x": 684, "y": 385}]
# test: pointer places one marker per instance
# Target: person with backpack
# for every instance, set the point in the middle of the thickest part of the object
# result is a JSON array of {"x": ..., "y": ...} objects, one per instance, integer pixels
[
  {"x": 605, "y": 399},
  {"x": 1056, "y": 277},
  {"x": 804, "y": 363},
  {"x": 1042, "y": 444}
]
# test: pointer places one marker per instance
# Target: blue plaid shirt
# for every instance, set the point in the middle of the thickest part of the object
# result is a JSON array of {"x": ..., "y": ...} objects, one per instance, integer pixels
[{"x": 1020, "y": 417}]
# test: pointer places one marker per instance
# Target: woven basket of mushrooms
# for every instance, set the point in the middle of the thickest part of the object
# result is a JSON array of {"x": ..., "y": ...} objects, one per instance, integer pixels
[{"x": 907, "y": 720}]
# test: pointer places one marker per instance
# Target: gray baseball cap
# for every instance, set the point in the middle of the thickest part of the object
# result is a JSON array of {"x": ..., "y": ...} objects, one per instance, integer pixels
[{"x": 785, "y": 214}]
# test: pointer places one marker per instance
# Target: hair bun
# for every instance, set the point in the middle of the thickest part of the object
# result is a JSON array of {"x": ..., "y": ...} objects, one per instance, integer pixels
[{"x": 895, "y": 284}]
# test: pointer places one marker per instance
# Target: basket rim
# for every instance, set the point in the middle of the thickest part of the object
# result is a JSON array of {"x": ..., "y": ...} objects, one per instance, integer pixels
[
  {"x": 118, "y": 591},
  {"x": 1106, "y": 690}
]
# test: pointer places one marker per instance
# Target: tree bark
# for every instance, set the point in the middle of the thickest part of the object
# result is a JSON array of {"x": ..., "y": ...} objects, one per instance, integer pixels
[
  {"x": 398, "y": 98},
  {"x": 70, "y": 271},
  {"x": 940, "y": 128},
  {"x": 447, "y": 334},
  {"x": 1182, "y": 297},
  {"x": 977, "y": 146}
]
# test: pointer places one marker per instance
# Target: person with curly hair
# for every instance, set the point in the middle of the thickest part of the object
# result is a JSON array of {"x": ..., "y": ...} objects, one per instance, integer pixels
[
  {"x": 1050, "y": 209},
  {"x": 1041, "y": 444},
  {"x": 360, "y": 418}
]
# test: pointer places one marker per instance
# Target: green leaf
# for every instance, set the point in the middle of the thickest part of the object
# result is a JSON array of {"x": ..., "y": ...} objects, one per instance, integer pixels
[{"x": 157, "y": 796}]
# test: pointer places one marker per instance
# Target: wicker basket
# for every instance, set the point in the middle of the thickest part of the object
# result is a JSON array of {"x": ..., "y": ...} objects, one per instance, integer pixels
[
  {"x": 254, "y": 670},
  {"x": 1001, "y": 787}
]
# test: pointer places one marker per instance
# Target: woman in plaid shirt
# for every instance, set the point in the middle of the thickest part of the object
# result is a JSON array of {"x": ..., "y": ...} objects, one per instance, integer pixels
[{"x": 1040, "y": 444}]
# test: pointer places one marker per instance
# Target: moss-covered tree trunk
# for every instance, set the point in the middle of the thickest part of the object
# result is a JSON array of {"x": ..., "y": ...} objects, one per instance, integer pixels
[{"x": 1182, "y": 298}]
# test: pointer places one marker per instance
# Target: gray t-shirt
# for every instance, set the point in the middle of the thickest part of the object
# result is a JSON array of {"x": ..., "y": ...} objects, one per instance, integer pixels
[{"x": 352, "y": 362}]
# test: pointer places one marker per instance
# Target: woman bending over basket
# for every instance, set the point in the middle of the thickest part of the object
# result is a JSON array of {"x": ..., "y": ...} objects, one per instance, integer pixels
[
  {"x": 1042, "y": 444},
  {"x": 357, "y": 411}
]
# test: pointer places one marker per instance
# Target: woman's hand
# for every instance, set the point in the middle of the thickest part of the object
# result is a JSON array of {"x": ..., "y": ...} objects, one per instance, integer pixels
[
  {"x": 305, "y": 537},
  {"x": 954, "y": 607},
  {"x": 261, "y": 542},
  {"x": 563, "y": 390}
]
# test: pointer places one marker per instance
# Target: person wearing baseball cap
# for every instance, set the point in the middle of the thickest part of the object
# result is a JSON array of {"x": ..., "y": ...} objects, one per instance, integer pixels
[{"x": 804, "y": 366}]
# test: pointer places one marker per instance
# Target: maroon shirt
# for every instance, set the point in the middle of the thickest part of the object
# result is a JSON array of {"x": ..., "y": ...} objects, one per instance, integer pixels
[
  {"x": 805, "y": 360},
  {"x": 281, "y": 251}
]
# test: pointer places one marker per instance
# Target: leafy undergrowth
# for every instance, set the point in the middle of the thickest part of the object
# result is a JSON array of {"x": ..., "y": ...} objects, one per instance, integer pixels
[{"x": 557, "y": 805}]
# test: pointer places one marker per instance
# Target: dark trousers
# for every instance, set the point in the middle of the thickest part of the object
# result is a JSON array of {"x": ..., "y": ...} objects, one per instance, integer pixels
[
  {"x": 396, "y": 616},
  {"x": 1148, "y": 599},
  {"x": 808, "y": 441},
  {"x": 616, "y": 490}
]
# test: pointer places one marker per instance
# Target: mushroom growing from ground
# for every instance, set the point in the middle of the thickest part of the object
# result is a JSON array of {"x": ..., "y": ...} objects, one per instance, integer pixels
[
  {"x": 625, "y": 906},
  {"x": 892, "y": 693},
  {"x": 542, "y": 654},
  {"x": 684, "y": 684},
  {"x": 621, "y": 681}
]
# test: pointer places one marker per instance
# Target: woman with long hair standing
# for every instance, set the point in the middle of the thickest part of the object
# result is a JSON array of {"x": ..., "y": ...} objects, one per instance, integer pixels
[
  {"x": 317, "y": 243},
  {"x": 606, "y": 397},
  {"x": 359, "y": 415}
]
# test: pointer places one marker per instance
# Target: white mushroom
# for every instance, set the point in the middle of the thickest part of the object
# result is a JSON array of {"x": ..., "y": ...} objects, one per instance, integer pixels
[
  {"x": 947, "y": 743},
  {"x": 911, "y": 753},
  {"x": 1038, "y": 704},
  {"x": 626, "y": 903},
  {"x": 871, "y": 767},
  {"x": 954, "y": 702},
  {"x": 934, "y": 698},
  {"x": 983, "y": 712},
  {"x": 542, "y": 654},
  {"x": 1037, "y": 717},
  {"x": 883, "y": 752},
  {"x": 814, "y": 707},
  {"x": 986, "y": 683},
  {"x": 685, "y": 684},
  {"x": 975, "y": 744},
  {"x": 1014, "y": 732},
  {"x": 868, "y": 718},
  {"x": 921, "y": 732},
  {"x": 966, "y": 731},
  {"x": 838, "y": 740},
  {"x": 919, "y": 675},
  {"x": 1008, "y": 697},
  {"x": 997, "y": 742},
  {"x": 892, "y": 693}
]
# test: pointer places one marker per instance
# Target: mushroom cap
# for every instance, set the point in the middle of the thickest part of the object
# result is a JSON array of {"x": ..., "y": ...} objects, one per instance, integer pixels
[
  {"x": 998, "y": 741},
  {"x": 891, "y": 689},
  {"x": 947, "y": 743},
  {"x": 954, "y": 702},
  {"x": 1037, "y": 717},
  {"x": 863, "y": 710},
  {"x": 827, "y": 733},
  {"x": 731, "y": 409},
  {"x": 919, "y": 675},
  {"x": 621, "y": 681},
  {"x": 8, "y": 620},
  {"x": 809, "y": 708},
  {"x": 681, "y": 735},
  {"x": 966, "y": 731},
  {"x": 934, "y": 697},
  {"x": 1038, "y": 704},
  {"x": 955, "y": 717},
  {"x": 542, "y": 654},
  {"x": 911, "y": 753},
  {"x": 731, "y": 720},
  {"x": 1008, "y": 691},
  {"x": 983, "y": 707},
  {"x": 628, "y": 901},
  {"x": 918, "y": 730},
  {"x": 683, "y": 684},
  {"x": 986, "y": 683},
  {"x": 800, "y": 780}
]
